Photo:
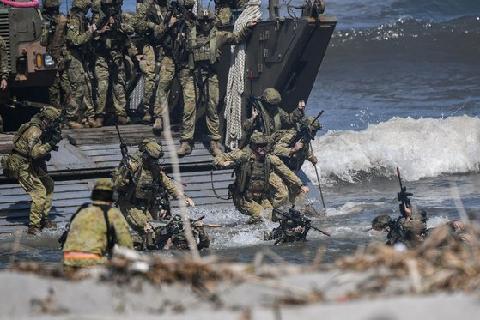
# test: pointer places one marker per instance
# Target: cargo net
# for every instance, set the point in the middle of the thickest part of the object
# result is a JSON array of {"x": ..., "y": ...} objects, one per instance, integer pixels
[{"x": 236, "y": 77}]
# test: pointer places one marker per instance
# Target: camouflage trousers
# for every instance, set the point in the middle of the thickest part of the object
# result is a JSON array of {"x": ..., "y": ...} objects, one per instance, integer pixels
[
  {"x": 59, "y": 93},
  {"x": 156, "y": 97},
  {"x": 263, "y": 207},
  {"x": 137, "y": 217},
  {"x": 190, "y": 95},
  {"x": 113, "y": 74},
  {"x": 81, "y": 105},
  {"x": 37, "y": 183}
]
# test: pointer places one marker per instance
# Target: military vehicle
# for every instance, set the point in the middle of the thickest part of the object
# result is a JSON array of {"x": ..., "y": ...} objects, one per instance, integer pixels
[
  {"x": 32, "y": 69},
  {"x": 281, "y": 52}
]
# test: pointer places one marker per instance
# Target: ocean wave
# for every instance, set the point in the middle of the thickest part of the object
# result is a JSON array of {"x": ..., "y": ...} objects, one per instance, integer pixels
[{"x": 421, "y": 148}]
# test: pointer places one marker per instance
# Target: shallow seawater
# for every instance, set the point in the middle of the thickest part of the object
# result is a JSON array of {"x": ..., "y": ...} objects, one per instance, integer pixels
[{"x": 399, "y": 86}]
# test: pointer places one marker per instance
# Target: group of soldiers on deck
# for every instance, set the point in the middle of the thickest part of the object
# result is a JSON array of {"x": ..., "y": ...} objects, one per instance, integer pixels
[{"x": 97, "y": 45}]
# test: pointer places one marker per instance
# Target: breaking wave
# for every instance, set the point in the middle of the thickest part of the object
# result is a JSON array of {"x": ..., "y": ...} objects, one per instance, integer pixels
[{"x": 421, "y": 148}]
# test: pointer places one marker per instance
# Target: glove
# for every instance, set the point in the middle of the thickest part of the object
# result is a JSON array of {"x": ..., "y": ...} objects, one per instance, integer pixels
[{"x": 55, "y": 139}]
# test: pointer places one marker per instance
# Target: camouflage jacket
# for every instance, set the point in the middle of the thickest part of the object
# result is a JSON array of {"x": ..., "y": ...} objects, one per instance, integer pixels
[
  {"x": 149, "y": 22},
  {"x": 283, "y": 141},
  {"x": 134, "y": 182},
  {"x": 269, "y": 121},
  {"x": 4, "y": 64},
  {"x": 53, "y": 37},
  {"x": 28, "y": 141},
  {"x": 243, "y": 161},
  {"x": 78, "y": 37},
  {"x": 88, "y": 232}
]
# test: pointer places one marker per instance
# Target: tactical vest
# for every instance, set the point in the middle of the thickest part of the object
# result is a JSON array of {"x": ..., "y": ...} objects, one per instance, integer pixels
[
  {"x": 204, "y": 48},
  {"x": 254, "y": 176},
  {"x": 147, "y": 186}
]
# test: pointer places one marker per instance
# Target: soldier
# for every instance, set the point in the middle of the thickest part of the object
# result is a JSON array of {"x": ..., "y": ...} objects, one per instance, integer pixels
[
  {"x": 205, "y": 43},
  {"x": 170, "y": 233},
  {"x": 268, "y": 117},
  {"x": 293, "y": 146},
  {"x": 78, "y": 38},
  {"x": 4, "y": 72},
  {"x": 156, "y": 60},
  {"x": 94, "y": 229},
  {"x": 142, "y": 187},
  {"x": 261, "y": 178},
  {"x": 32, "y": 145},
  {"x": 110, "y": 48},
  {"x": 53, "y": 37}
]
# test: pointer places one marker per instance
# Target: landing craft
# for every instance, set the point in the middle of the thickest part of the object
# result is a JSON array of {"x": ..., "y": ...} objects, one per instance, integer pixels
[{"x": 282, "y": 52}]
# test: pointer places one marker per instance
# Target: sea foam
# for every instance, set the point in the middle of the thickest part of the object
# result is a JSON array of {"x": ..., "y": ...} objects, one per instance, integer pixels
[{"x": 421, "y": 148}]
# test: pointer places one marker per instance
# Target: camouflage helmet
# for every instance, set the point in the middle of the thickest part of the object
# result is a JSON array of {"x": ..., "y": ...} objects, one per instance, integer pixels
[
  {"x": 50, "y": 113},
  {"x": 153, "y": 149},
  {"x": 272, "y": 96},
  {"x": 258, "y": 138},
  {"x": 51, "y": 3},
  {"x": 104, "y": 184},
  {"x": 381, "y": 222},
  {"x": 81, "y": 4}
]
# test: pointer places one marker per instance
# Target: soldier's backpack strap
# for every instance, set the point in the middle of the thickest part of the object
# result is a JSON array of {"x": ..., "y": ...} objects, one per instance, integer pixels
[
  {"x": 266, "y": 173},
  {"x": 111, "y": 235},
  {"x": 64, "y": 235}
]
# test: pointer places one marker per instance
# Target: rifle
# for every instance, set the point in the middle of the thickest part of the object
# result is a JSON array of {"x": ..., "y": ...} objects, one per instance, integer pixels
[
  {"x": 403, "y": 195},
  {"x": 304, "y": 133}
]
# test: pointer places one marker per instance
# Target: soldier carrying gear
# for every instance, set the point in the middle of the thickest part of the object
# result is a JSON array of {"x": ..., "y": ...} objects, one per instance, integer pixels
[
  {"x": 294, "y": 226},
  {"x": 53, "y": 37},
  {"x": 32, "y": 145},
  {"x": 143, "y": 188},
  {"x": 78, "y": 39},
  {"x": 293, "y": 145},
  {"x": 205, "y": 44},
  {"x": 410, "y": 228},
  {"x": 110, "y": 48},
  {"x": 269, "y": 117},
  {"x": 261, "y": 179},
  {"x": 170, "y": 233},
  {"x": 94, "y": 229}
]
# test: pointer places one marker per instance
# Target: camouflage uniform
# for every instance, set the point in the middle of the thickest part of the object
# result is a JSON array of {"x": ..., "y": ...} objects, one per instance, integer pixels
[
  {"x": 110, "y": 50},
  {"x": 155, "y": 65},
  {"x": 4, "y": 68},
  {"x": 271, "y": 117},
  {"x": 27, "y": 162},
  {"x": 136, "y": 182},
  {"x": 223, "y": 10},
  {"x": 205, "y": 44},
  {"x": 53, "y": 37},
  {"x": 78, "y": 39},
  {"x": 259, "y": 184},
  {"x": 170, "y": 234},
  {"x": 285, "y": 145},
  {"x": 94, "y": 229}
]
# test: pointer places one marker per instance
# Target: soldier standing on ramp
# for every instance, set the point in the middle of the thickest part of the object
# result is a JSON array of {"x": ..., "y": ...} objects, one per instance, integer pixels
[
  {"x": 53, "y": 37},
  {"x": 32, "y": 145}
]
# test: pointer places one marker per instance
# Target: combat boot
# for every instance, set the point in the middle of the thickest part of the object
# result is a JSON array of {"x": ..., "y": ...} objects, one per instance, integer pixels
[
  {"x": 74, "y": 125},
  {"x": 123, "y": 120},
  {"x": 33, "y": 230},
  {"x": 215, "y": 149},
  {"x": 184, "y": 149},
  {"x": 90, "y": 122},
  {"x": 47, "y": 224},
  {"x": 158, "y": 125},
  {"x": 98, "y": 122}
]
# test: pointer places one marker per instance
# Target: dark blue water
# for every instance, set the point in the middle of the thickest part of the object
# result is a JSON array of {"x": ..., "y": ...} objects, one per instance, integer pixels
[{"x": 400, "y": 87}]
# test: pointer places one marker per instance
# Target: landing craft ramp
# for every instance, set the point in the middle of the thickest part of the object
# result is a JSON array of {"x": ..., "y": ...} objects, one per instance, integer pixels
[{"x": 85, "y": 154}]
